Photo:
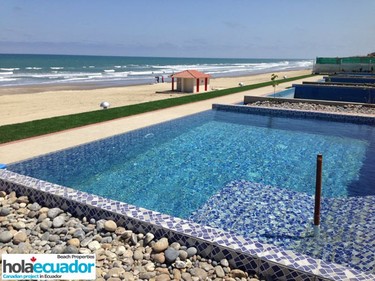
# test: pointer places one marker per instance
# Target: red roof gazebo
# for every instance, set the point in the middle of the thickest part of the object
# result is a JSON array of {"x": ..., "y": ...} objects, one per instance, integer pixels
[{"x": 189, "y": 81}]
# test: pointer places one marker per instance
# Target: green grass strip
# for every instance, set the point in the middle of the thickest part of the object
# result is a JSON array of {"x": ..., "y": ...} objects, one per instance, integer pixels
[{"x": 55, "y": 124}]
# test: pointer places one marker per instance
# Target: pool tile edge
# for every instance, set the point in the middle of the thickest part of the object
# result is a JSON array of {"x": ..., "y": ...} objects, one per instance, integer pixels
[{"x": 252, "y": 256}]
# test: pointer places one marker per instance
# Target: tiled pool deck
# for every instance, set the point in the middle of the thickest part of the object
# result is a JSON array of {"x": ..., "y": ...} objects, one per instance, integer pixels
[{"x": 267, "y": 260}]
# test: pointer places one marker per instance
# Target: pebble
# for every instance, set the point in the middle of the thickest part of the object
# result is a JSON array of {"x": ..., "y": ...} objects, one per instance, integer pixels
[
  {"x": 121, "y": 253},
  {"x": 4, "y": 212},
  {"x": 224, "y": 262},
  {"x": 94, "y": 245},
  {"x": 219, "y": 271},
  {"x": 74, "y": 242},
  {"x": 19, "y": 237},
  {"x": 348, "y": 108},
  {"x": 54, "y": 212},
  {"x": 171, "y": 255},
  {"x": 148, "y": 238},
  {"x": 161, "y": 245},
  {"x": 191, "y": 251},
  {"x": 110, "y": 226},
  {"x": 58, "y": 222},
  {"x": 6, "y": 236}
]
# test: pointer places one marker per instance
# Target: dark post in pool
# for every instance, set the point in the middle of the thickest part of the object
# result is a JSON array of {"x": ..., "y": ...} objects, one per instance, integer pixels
[{"x": 318, "y": 194}]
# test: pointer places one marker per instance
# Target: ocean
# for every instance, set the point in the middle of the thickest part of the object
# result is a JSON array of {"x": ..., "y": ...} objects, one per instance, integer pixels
[{"x": 22, "y": 69}]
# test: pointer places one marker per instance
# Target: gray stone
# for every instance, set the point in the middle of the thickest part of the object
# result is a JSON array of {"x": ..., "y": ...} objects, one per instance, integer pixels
[
  {"x": 6, "y": 236},
  {"x": 84, "y": 251},
  {"x": 186, "y": 276},
  {"x": 19, "y": 225},
  {"x": 199, "y": 272},
  {"x": 34, "y": 207},
  {"x": 120, "y": 250},
  {"x": 86, "y": 241},
  {"x": 219, "y": 271},
  {"x": 45, "y": 236},
  {"x": 58, "y": 221},
  {"x": 54, "y": 212},
  {"x": 4, "y": 211},
  {"x": 45, "y": 225},
  {"x": 107, "y": 239},
  {"x": 70, "y": 250},
  {"x": 191, "y": 251},
  {"x": 175, "y": 246},
  {"x": 100, "y": 225},
  {"x": 54, "y": 238},
  {"x": 180, "y": 264},
  {"x": 134, "y": 239},
  {"x": 224, "y": 262},
  {"x": 171, "y": 255},
  {"x": 32, "y": 214},
  {"x": 127, "y": 235},
  {"x": 182, "y": 255},
  {"x": 58, "y": 249},
  {"x": 138, "y": 255},
  {"x": 79, "y": 233},
  {"x": 94, "y": 245},
  {"x": 148, "y": 238}
]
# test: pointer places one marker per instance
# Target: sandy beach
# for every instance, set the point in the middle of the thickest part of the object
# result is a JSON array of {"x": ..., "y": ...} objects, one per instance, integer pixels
[{"x": 21, "y": 104}]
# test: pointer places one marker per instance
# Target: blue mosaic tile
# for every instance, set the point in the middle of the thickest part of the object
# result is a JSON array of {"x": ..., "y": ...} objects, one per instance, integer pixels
[
  {"x": 273, "y": 271},
  {"x": 252, "y": 256}
]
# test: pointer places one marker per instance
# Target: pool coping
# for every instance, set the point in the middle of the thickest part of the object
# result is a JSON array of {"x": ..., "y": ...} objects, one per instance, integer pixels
[{"x": 265, "y": 260}]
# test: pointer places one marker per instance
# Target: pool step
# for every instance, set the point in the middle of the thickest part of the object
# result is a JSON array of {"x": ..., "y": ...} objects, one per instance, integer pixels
[{"x": 284, "y": 218}]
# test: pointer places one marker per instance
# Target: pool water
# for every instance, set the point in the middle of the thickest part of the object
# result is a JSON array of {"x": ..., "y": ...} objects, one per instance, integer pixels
[
  {"x": 286, "y": 94},
  {"x": 175, "y": 167}
]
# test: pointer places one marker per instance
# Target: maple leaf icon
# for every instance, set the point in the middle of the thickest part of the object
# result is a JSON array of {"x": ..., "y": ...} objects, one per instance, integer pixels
[{"x": 33, "y": 259}]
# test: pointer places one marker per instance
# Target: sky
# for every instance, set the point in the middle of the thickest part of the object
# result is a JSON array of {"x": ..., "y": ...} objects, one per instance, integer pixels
[{"x": 195, "y": 28}]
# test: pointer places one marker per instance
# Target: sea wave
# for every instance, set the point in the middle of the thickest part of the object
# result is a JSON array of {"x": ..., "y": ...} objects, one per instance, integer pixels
[
  {"x": 6, "y": 73},
  {"x": 9, "y": 69},
  {"x": 33, "y": 68},
  {"x": 139, "y": 73}
]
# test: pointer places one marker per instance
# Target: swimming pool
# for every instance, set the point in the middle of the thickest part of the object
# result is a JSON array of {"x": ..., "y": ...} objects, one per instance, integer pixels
[
  {"x": 287, "y": 93},
  {"x": 175, "y": 167}
]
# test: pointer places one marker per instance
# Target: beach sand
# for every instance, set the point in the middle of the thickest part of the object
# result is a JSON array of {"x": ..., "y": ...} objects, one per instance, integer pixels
[{"x": 21, "y": 104}]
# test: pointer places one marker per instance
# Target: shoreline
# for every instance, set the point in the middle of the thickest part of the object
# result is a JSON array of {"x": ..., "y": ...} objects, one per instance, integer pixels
[
  {"x": 39, "y": 88},
  {"x": 27, "y": 103}
]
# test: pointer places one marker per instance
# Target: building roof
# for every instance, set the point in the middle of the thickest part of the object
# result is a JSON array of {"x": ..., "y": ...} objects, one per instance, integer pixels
[{"x": 191, "y": 74}]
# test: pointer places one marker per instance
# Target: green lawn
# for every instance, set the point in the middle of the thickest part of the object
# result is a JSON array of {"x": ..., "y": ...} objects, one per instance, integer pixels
[{"x": 55, "y": 124}]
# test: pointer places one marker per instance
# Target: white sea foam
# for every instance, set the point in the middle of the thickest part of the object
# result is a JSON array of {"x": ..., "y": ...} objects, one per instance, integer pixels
[
  {"x": 109, "y": 70},
  {"x": 9, "y": 69},
  {"x": 6, "y": 73},
  {"x": 56, "y": 67},
  {"x": 33, "y": 68}
]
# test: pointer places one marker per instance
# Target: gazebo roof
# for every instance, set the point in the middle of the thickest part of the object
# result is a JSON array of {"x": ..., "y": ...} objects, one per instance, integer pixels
[{"x": 191, "y": 74}]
